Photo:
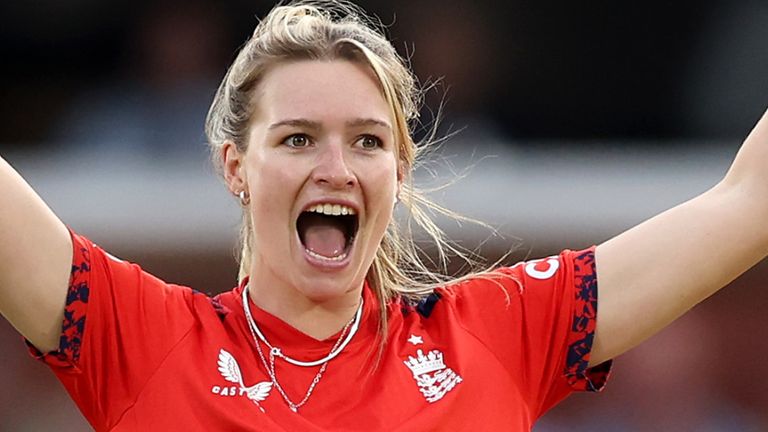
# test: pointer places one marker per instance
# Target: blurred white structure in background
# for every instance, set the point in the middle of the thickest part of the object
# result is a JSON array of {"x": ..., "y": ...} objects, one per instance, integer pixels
[{"x": 555, "y": 196}]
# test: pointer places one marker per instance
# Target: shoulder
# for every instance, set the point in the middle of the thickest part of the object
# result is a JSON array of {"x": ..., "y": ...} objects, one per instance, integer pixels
[
  {"x": 529, "y": 282},
  {"x": 459, "y": 297},
  {"x": 99, "y": 277}
]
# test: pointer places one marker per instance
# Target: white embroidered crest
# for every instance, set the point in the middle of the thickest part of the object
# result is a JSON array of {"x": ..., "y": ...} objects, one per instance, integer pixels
[
  {"x": 230, "y": 371},
  {"x": 431, "y": 375}
]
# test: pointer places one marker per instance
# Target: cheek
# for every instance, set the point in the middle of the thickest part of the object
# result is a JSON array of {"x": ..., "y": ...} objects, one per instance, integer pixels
[
  {"x": 272, "y": 177},
  {"x": 274, "y": 186},
  {"x": 381, "y": 185}
]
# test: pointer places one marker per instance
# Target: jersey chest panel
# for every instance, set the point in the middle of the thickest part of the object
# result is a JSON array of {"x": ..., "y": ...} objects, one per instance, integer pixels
[{"x": 422, "y": 382}]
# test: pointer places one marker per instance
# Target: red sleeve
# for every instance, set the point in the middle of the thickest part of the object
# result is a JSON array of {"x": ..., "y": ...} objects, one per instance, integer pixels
[
  {"x": 539, "y": 318},
  {"x": 119, "y": 324}
]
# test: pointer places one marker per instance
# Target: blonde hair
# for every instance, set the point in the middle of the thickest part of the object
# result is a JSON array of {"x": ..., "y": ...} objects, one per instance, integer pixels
[{"x": 331, "y": 30}]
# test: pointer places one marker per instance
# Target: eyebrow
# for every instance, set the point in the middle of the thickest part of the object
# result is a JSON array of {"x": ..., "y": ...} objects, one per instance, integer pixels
[
  {"x": 368, "y": 122},
  {"x": 310, "y": 124}
]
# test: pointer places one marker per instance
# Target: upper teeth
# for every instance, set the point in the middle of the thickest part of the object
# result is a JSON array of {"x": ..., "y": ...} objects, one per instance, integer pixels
[{"x": 332, "y": 209}]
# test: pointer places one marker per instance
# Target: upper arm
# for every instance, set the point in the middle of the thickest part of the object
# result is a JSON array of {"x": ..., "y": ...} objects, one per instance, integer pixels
[
  {"x": 656, "y": 271},
  {"x": 35, "y": 260}
]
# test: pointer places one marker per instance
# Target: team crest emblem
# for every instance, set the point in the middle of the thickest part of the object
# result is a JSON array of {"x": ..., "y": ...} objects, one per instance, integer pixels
[
  {"x": 431, "y": 375},
  {"x": 230, "y": 371}
]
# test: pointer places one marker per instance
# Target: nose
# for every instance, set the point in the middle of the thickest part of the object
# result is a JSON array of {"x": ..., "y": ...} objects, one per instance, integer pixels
[{"x": 332, "y": 168}]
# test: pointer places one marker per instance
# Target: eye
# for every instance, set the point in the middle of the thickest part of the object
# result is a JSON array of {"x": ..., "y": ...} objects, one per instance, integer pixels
[
  {"x": 297, "y": 141},
  {"x": 369, "y": 142}
]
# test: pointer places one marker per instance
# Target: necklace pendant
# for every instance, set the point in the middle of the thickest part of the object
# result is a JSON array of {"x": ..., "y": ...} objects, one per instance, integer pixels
[{"x": 294, "y": 409}]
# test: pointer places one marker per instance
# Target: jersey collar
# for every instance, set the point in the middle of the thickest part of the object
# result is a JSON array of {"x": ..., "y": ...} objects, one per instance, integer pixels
[{"x": 297, "y": 344}]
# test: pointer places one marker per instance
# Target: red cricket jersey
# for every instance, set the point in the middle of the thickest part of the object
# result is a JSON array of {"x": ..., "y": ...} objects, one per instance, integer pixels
[{"x": 137, "y": 353}]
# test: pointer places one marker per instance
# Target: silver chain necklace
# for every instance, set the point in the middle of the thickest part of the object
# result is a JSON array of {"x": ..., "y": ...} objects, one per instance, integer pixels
[{"x": 342, "y": 342}]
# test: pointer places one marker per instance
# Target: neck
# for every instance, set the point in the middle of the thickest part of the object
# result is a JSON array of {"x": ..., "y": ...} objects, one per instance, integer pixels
[{"x": 319, "y": 319}]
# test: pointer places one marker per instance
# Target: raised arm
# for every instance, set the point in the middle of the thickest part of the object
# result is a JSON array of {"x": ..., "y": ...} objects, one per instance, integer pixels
[
  {"x": 658, "y": 270},
  {"x": 35, "y": 260}
]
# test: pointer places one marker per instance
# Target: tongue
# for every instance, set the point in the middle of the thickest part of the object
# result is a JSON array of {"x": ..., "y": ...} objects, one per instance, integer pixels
[{"x": 326, "y": 239}]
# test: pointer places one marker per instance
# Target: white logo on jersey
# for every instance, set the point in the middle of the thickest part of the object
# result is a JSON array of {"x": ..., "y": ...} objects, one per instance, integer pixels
[
  {"x": 230, "y": 371},
  {"x": 431, "y": 375},
  {"x": 416, "y": 340},
  {"x": 553, "y": 263}
]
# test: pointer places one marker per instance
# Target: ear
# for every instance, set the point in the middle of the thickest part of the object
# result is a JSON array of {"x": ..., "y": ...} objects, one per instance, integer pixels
[
  {"x": 398, "y": 187},
  {"x": 233, "y": 162},
  {"x": 400, "y": 177}
]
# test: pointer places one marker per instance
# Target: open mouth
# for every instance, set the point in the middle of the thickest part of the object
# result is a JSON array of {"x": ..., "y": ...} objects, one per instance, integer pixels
[{"x": 327, "y": 231}]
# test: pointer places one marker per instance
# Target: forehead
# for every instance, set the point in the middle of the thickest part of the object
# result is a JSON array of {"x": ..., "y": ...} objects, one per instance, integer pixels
[{"x": 320, "y": 90}]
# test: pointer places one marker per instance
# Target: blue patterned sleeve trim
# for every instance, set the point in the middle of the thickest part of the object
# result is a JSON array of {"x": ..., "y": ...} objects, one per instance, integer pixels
[
  {"x": 582, "y": 333},
  {"x": 73, "y": 326}
]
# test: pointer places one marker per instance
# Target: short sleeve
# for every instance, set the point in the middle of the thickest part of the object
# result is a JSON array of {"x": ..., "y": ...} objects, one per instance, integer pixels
[
  {"x": 119, "y": 324},
  {"x": 539, "y": 319}
]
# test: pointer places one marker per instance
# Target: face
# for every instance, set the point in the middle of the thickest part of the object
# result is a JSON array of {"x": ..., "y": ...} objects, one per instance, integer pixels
[{"x": 321, "y": 170}]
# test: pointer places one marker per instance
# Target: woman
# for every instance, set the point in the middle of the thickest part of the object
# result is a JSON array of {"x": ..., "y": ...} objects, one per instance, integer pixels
[{"x": 336, "y": 324}]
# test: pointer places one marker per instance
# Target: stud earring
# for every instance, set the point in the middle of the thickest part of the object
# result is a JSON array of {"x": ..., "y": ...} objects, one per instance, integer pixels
[{"x": 245, "y": 199}]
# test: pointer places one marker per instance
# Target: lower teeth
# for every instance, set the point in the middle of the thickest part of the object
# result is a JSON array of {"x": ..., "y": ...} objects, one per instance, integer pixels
[{"x": 323, "y": 257}]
